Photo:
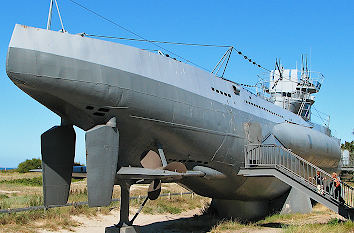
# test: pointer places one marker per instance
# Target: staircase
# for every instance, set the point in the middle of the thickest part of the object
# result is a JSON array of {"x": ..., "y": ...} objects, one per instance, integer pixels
[{"x": 277, "y": 161}]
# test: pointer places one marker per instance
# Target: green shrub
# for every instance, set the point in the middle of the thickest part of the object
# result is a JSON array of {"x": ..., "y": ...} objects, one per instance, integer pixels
[{"x": 28, "y": 165}]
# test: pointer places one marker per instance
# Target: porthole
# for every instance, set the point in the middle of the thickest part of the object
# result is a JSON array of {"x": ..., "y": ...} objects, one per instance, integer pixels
[
  {"x": 103, "y": 110},
  {"x": 98, "y": 114}
]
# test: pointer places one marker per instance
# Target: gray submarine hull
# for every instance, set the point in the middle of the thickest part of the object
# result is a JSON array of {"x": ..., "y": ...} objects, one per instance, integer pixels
[{"x": 157, "y": 98}]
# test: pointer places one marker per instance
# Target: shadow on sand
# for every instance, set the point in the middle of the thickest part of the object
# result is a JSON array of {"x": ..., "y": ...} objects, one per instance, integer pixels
[{"x": 196, "y": 224}]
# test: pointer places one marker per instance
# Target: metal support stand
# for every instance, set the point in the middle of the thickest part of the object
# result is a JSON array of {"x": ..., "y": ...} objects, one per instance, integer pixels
[
  {"x": 124, "y": 224},
  {"x": 137, "y": 213},
  {"x": 124, "y": 204}
]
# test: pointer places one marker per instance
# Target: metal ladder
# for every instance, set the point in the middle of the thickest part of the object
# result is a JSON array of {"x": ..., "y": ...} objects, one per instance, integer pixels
[
  {"x": 277, "y": 161},
  {"x": 303, "y": 111}
]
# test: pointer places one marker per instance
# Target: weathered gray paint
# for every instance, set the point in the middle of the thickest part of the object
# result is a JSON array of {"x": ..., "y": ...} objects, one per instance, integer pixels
[
  {"x": 154, "y": 98},
  {"x": 58, "y": 151},
  {"x": 102, "y": 144},
  {"x": 311, "y": 144}
]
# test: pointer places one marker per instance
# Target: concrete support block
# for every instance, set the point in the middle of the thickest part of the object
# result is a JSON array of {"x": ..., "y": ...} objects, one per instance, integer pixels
[
  {"x": 123, "y": 229},
  {"x": 296, "y": 202}
]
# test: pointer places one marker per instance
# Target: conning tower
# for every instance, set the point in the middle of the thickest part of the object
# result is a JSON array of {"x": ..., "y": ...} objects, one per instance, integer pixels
[{"x": 293, "y": 89}]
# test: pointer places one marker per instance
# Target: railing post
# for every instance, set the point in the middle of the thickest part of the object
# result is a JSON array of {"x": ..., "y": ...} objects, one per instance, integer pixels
[
  {"x": 246, "y": 155},
  {"x": 250, "y": 158},
  {"x": 287, "y": 160},
  {"x": 281, "y": 157},
  {"x": 291, "y": 163}
]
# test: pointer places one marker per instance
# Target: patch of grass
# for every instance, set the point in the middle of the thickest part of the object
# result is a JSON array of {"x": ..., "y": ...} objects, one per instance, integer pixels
[
  {"x": 161, "y": 209},
  {"x": 175, "y": 205},
  {"x": 30, "y": 221},
  {"x": 35, "y": 181},
  {"x": 3, "y": 196},
  {"x": 35, "y": 200},
  {"x": 52, "y": 219},
  {"x": 332, "y": 226},
  {"x": 282, "y": 218},
  {"x": 233, "y": 225},
  {"x": 4, "y": 205},
  {"x": 78, "y": 195},
  {"x": 76, "y": 179},
  {"x": 8, "y": 171},
  {"x": 297, "y": 218},
  {"x": 21, "y": 201}
]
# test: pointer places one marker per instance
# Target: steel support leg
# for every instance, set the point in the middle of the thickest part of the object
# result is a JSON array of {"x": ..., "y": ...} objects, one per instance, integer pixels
[{"x": 124, "y": 204}]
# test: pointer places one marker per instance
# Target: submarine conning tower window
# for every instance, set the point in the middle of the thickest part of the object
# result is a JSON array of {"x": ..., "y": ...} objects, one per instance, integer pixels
[{"x": 236, "y": 90}]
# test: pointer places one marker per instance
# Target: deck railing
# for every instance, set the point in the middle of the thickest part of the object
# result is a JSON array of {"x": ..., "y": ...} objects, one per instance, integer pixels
[{"x": 278, "y": 157}]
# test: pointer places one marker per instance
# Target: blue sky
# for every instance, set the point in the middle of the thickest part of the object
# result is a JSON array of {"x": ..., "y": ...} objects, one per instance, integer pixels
[{"x": 263, "y": 30}]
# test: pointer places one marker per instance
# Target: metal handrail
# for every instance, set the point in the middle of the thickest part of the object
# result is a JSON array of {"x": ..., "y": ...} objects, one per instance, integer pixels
[{"x": 313, "y": 177}]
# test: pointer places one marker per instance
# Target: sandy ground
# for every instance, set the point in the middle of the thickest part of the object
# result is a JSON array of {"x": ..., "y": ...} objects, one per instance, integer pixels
[
  {"x": 189, "y": 221},
  {"x": 166, "y": 223},
  {"x": 147, "y": 223}
]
